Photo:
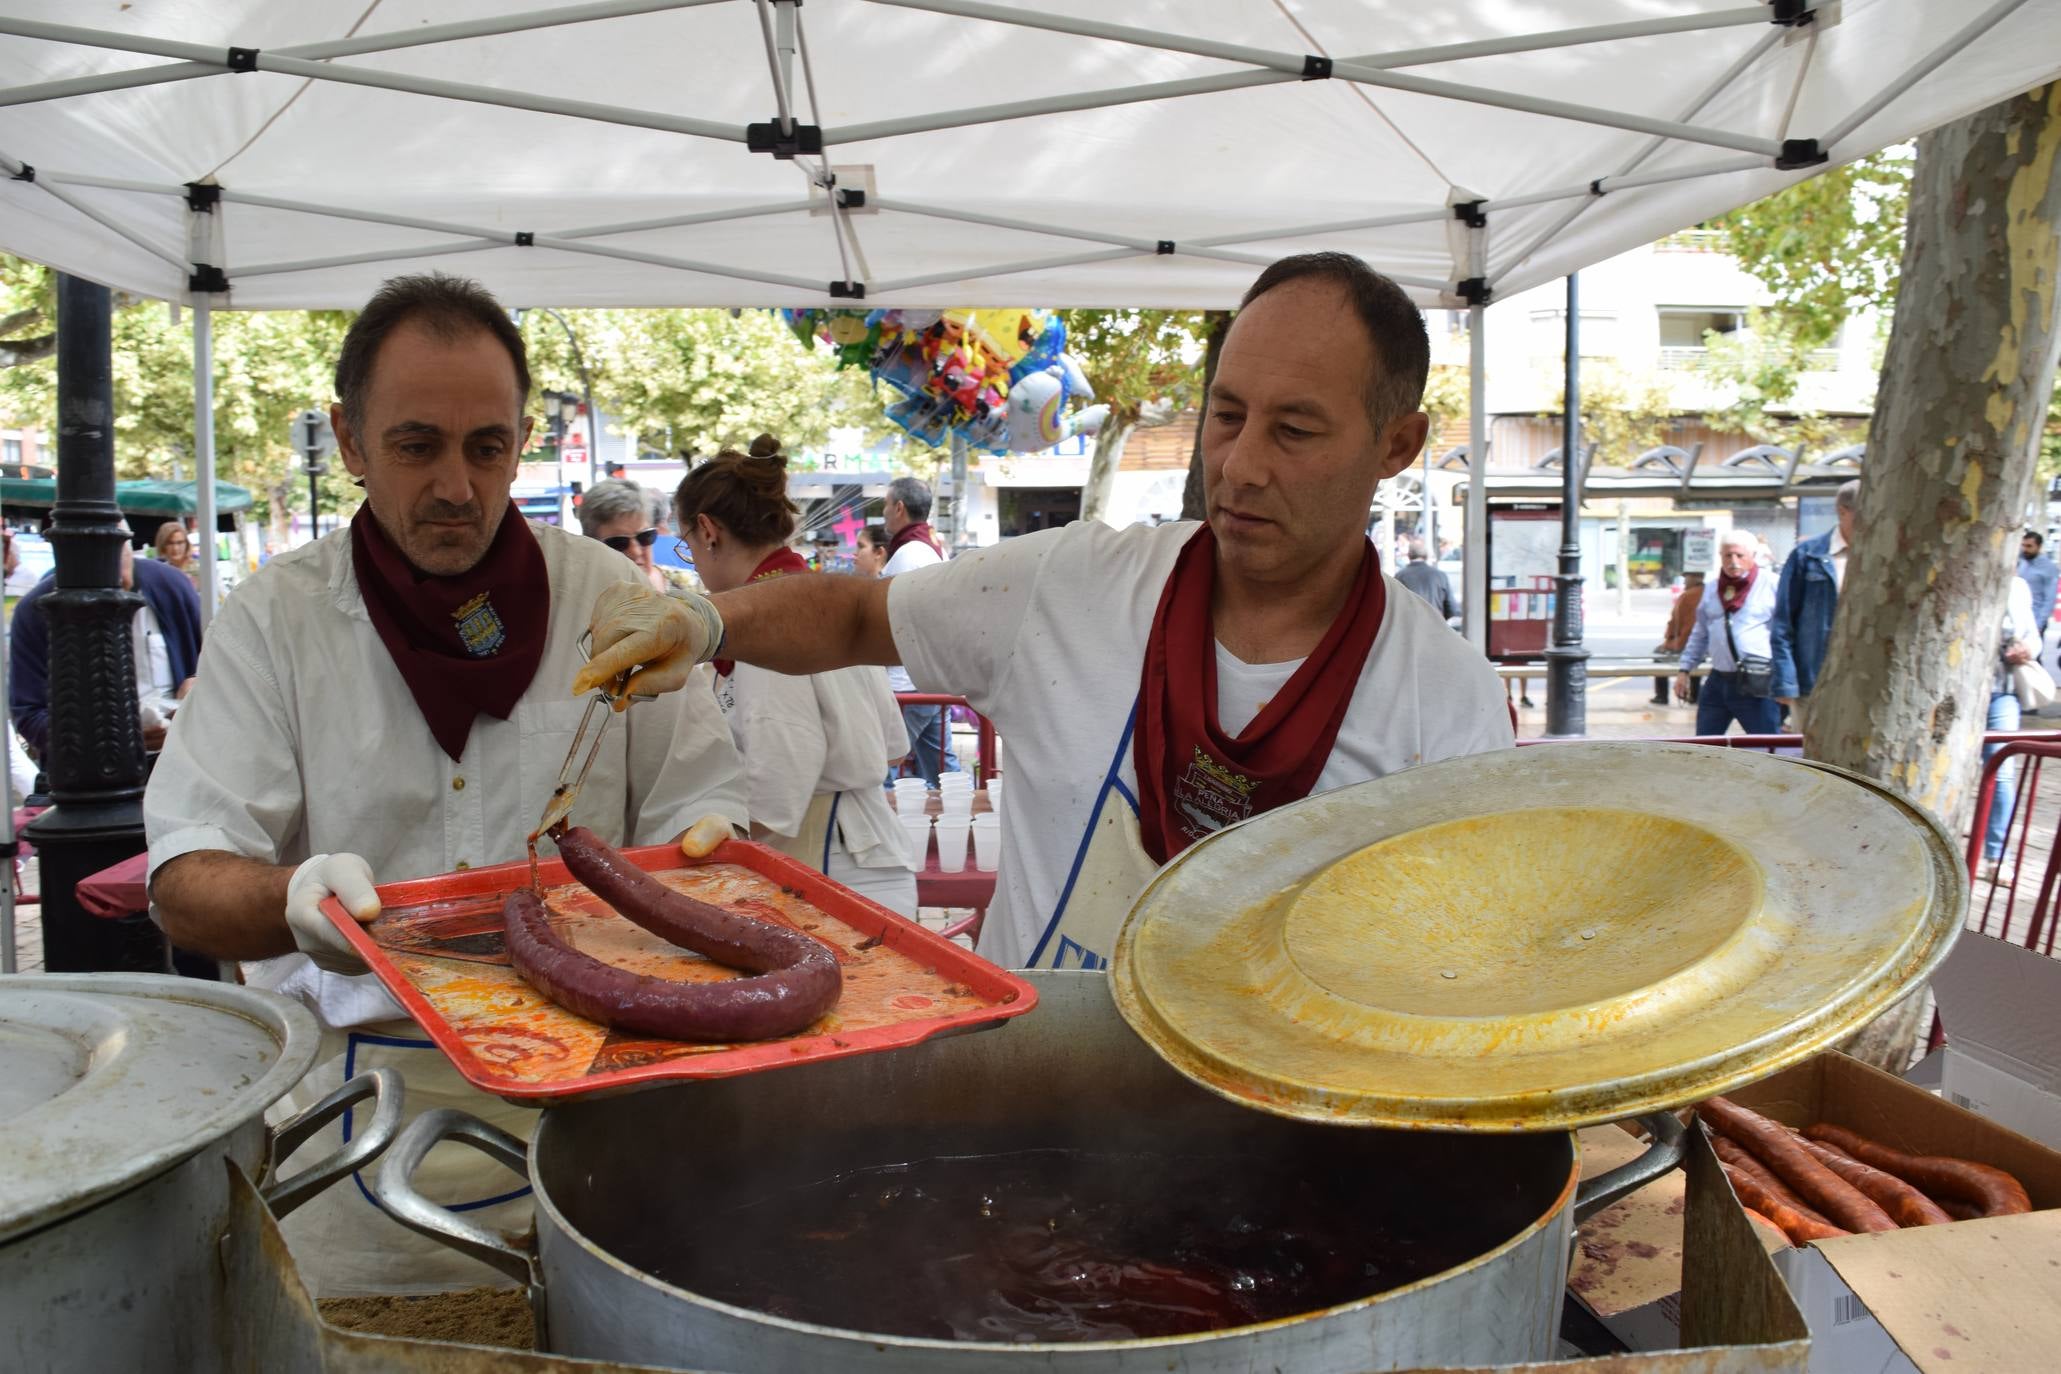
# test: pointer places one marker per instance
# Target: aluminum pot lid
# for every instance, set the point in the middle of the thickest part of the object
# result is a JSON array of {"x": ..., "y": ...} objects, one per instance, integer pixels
[
  {"x": 1538, "y": 938},
  {"x": 109, "y": 1078}
]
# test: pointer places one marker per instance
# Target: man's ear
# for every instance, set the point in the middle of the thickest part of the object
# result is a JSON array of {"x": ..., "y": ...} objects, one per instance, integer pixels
[
  {"x": 347, "y": 445},
  {"x": 1401, "y": 442}
]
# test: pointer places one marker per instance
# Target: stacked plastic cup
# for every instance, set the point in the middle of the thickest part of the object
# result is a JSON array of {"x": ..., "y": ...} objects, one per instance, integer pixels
[
  {"x": 994, "y": 794},
  {"x": 909, "y": 796},
  {"x": 987, "y": 841},
  {"x": 952, "y": 831},
  {"x": 916, "y": 835}
]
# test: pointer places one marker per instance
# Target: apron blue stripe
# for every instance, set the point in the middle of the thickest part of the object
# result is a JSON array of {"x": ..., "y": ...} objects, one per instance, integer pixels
[
  {"x": 1109, "y": 781},
  {"x": 830, "y": 831},
  {"x": 352, "y": 1039}
]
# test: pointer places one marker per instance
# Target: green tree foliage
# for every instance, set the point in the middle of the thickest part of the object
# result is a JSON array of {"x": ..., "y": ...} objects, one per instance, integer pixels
[
  {"x": 1624, "y": 412},
  {"x": 1828, "y": 247},
  {"x": 694, "y": 381},
  {"x": 1146, "y": 366}
]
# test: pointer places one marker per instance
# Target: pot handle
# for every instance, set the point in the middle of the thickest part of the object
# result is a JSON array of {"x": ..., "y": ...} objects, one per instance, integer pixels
[
  {"x": 1663, "y": 1152},
  {"x": 393, "y": 1184},
  {"x": 383, "y": 1086}
]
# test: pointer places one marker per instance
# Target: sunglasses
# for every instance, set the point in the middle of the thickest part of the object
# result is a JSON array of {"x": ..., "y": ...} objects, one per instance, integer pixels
[{"x": 621, "y": 542}]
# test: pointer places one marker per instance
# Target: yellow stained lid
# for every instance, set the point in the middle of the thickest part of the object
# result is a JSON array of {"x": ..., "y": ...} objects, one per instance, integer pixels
[{"x": 1538, "y": 938}]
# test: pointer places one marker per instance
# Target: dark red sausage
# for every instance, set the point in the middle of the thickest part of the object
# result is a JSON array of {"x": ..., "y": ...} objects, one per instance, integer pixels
[
  {"x": 1994, "y": 1191},
  {"x": 1793, "y": 1222},
  {"x": 801, "y": 980},
  {"x": 1894, "y": 1196},
  {"x": 1841, "y": 1202}
]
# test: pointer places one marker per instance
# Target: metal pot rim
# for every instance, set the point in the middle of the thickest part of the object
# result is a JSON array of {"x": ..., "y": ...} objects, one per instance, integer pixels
[
  {"x": 548, "y": 1206},
  {"x": 83, "y": 1184}
]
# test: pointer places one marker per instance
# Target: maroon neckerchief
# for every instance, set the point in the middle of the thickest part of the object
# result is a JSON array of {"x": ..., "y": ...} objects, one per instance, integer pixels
[
  {"x": 1732, "y": 590},
  {"x": 780, "y": 561},
  {"x": 1193, "y": 779},
  {"x": 464, "y": 644},
  {"x": 910, "y": 533}
]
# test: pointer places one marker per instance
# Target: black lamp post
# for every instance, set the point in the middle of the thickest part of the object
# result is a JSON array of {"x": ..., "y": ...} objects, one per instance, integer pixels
[
  {"x": 1567, "y": 675},
  {"x": 94, "y": 757}
]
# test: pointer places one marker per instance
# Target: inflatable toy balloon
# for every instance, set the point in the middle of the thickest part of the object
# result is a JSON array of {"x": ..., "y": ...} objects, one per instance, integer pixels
[
  {"x": 1077, "y": 387},
  {"x": 1090, "y": 419},
  {"x": 1037, "y": 418}
]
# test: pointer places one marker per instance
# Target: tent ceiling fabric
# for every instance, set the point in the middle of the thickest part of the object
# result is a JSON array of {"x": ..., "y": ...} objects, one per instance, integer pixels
[{"x": 1230, "y": 176}]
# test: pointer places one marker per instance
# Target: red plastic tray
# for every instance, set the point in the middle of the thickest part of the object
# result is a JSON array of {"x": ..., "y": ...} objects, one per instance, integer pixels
[{"x": 437, "y": 946}]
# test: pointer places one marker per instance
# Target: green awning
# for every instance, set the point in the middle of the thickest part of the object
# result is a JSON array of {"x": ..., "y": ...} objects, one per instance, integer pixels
[{"x": 148, "y": 496}]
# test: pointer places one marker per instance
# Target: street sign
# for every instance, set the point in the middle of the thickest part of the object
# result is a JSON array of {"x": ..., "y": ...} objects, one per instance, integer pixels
[
  {"x": 314, "y": 439},
  {"x": 1699, "y": 550}
]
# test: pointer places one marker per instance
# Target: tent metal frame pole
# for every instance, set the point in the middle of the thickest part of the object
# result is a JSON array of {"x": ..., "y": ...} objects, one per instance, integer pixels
[
  {"x": 602, "y": 250},
  {"x": 204, "y": 452},
  {"x": 1142, "y": 245},
  {"x": 437, "y": 250},
  {"x": 1474, "y": 551},
  {"x": 1746, "y": 162},
  {"x": 1740, "y": 65},
  {"x": 1293, "y": 62},
  {"x": 357, "y": 46},
  {"x": 147, "y": 188},
  {"x": 1296, "y": 63},
  {"x": 784, "y": 110},
  {"x": 1339, "y": 226},
  {"x": 1925, "y": 66},
  {"x": 434, "y": 226},
  {"x": 277, "y": 61},
  {"x": 14, "y": 168},
  {"x": 1005, "y": 269}
]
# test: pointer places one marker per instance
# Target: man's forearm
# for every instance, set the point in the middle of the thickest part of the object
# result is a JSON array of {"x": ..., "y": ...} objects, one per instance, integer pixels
[
  {"x": 800, "y": 625},
  {"x": 223, "y": 905}
]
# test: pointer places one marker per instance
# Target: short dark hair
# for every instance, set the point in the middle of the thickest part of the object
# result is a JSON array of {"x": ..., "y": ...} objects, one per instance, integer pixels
[
  {"x": 2037, "y": 538},
  {"x": 745, "y": 493},
  {"x": 876, "y": 535},
  {"x": 914, "y": 494},
  {"x": 1394, "y": 325},
  {"x": 448, "y": 307}
]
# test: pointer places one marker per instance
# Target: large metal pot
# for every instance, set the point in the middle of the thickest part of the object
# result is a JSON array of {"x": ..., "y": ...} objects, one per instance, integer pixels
[
  {"x": 624, "y": 1182},
  {"x": 124, "y": 1100}
]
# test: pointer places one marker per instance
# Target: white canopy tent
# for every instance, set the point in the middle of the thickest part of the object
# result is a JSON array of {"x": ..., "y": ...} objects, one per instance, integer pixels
[{"x": 265, "y": 154}]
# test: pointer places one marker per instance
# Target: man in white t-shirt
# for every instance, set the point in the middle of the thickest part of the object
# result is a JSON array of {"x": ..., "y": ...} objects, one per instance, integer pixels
[
  {"x": 912, "y": 544},
  {"x": 1159, "y": 682}
]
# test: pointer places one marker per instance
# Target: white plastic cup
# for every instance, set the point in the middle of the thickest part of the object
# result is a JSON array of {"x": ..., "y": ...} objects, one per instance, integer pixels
[
  {"x": 916, "y": 836},
  {"x": 951, "y": 844},
  {"x": 949, "y": 783},
  {"x": 995, "y": 794},
  {"x": 987, "y": 842},
  {"x": 956, "y": 805},
  {"x": 909, "y": 798}
]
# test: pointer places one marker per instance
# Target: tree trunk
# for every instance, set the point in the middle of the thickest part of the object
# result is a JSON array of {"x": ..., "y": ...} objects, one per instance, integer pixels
[
  {"x": 1905, "y": 689},
  {"x": 1109, "y": 455},
  {"x": 1191, "y": 494}
]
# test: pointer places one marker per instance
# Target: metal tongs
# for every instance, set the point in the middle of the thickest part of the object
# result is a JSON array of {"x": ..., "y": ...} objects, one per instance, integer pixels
[{"x": 572, "y": 774}]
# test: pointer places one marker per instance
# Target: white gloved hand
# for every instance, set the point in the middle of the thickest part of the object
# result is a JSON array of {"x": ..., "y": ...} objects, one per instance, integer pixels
[
  {"x": 669, "y": 635},
  {"x": 702, "y": 838},
  {"x": 345, "y": 877}
]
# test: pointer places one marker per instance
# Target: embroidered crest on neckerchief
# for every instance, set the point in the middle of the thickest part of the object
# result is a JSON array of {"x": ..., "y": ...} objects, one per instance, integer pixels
[{"x": 479, "y": 627}]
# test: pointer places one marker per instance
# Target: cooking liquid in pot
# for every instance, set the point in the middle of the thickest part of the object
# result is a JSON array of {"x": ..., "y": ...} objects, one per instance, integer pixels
[{"x": 1059, "y": 1245}]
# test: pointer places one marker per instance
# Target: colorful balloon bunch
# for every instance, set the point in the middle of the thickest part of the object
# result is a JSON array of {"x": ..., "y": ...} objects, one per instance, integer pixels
[{"x": 1002, "y": 380}]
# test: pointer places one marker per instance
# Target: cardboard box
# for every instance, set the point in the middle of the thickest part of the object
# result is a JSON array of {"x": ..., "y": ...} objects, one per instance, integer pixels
[
  {"x": 1937, "y": 1299},
  {"x": 2003, "y": 1053},
  {"x": 1627, "y": 1268}
]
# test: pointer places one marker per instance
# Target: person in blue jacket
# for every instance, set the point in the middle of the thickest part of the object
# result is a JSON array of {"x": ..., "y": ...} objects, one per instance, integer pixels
[
  {"x": 1808, "y": 595},
  {"x": 167, "y": 648},
  {"x": 2040, "y": 574}
]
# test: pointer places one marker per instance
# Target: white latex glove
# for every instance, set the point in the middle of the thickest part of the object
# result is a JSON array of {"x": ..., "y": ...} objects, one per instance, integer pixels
[
  {"x": 668, "y": 635},
  {"x": 702, "y": 837},
  {"x": 346, "y": 877}
]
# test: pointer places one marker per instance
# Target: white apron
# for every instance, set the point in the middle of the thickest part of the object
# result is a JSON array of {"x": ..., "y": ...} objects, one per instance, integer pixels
[
  {"x": 821, "y": 848},
  {"x": 1110, "y": 869}
]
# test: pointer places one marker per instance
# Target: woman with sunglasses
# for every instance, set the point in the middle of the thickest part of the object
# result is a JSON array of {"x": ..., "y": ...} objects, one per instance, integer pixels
[
  {"x": 618, "y": 513},
  {"x": 813, "y": 747}
]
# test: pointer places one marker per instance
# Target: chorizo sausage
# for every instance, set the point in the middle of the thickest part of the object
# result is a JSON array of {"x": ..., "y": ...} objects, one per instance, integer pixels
[
  {"x": 1736, "y": 1160},
  {"x": 1994, "y": 1191},
  {"x": 1841, "y": 1202},
  {"x": 1786, "y": 1219},
  {"x": 1903, "y": 1202}
]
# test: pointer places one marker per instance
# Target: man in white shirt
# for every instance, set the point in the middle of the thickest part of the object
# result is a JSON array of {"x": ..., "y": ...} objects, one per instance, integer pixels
[
  {"x": 912, "y": 544},
  {"x": 1732, "y": 627},
  {"x": 1157, "y": 683},
  {"x": 390, "y": 702}
]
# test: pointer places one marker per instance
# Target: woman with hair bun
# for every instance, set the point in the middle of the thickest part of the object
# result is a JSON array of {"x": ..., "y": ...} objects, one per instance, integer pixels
[{"x": 813, "y": 747}]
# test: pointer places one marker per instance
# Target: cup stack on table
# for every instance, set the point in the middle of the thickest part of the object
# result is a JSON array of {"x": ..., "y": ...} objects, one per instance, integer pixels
[
  {"x": 987, "y": 831},
  {"x": 910, "y": 796},
  {"x": 955, "y": 820}
]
